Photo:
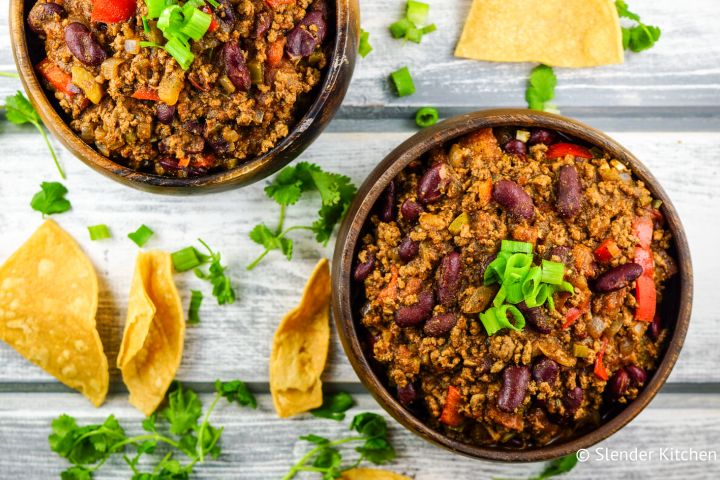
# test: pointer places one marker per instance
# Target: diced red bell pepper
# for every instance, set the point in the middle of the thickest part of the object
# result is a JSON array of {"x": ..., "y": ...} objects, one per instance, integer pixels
[
  {"x": 607, "y": 251},
  {"x": 146, "y": 93},
  {"x": 278, "y": 3},
  {"x": 206, "y": 160},
  {"x": 112, "y": 11},
  {"x": 646, "y": 297},
  {"x": 599, "y": 369},
  {"x": 275, "y": 52},
  {"x": 57, "y": 78},
  {"x": 571, "y": 317},
  {"x": 560, "y": 150},
  {"x": 645, "y": 292},
  {"x": 213, "y": 23},
  {"x": 451, "y": 415},
  {"x": 642, "y": 228}
]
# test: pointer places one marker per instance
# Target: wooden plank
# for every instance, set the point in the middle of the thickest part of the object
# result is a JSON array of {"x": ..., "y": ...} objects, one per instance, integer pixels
[
  {"x": 683, "y": 69},
  {"x": 234, "y": 341},
  {"x": 673, "y": 421}
]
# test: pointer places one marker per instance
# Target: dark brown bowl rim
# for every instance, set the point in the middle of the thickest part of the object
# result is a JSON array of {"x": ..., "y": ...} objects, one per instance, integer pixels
[
  {"x": 441, "y": 134},
  {"x": 343, "y": 55}
]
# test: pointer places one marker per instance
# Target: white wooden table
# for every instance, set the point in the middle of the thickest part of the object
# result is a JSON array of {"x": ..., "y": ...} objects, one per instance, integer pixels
[{"x": 663, "y": 104}]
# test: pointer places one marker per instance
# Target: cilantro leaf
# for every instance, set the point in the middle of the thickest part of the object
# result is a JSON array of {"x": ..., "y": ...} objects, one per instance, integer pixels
[
  {"x": 541, "y": 87},
  {"x": 639, "y": 36},
  {"x": 558, "y": 466},
  {"x": 20, "y": 111},
  {"x": 183, "y": 410},
  {"x": 334, "y": 406},
  {"x": 316, "y": 439},
  {"x": 236, "y": 391},
  {"x": 223, "y": 290},
  {"x": 623, "y": 11},
  {"x": 76, "y": 473},
  {"x": 262, "y": 235},
  {"x": 51, "y": 199},
  {"x": 377, "y": 450},
  {"x": 84, "y": 445},
  {"x": 286, "y": 188}
]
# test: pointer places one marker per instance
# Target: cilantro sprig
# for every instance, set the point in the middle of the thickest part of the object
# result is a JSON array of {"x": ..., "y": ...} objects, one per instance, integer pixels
[
  {"x": 336, "y": 192},
  {"x": 187, "y": 432},
  {"x": 191, "y": 258},
  {"x": 541, "y": 88},
  {"x": 558, "y": 466},
  {"x": 20, "y": 111},
  {"x": 639, "y": 36},
  {"x": 334, "y": 406},
  {"x": 51, "y": 199},
  {"x": 327, "y": 459}
]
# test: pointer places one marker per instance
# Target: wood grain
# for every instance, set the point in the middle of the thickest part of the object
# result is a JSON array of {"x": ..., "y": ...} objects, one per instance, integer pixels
[
  {"x": 682, "y": 70},
  {"x": 235, "y": 340},
  {"x": 250, "y": 454}
]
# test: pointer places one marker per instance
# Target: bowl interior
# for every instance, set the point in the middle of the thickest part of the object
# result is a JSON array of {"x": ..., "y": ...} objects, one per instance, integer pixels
[
  {"x": 315, "y": 112},
  {"x": 675, "y": 309}
]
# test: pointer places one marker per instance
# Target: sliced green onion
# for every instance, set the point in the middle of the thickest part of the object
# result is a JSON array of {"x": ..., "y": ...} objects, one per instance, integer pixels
[
  {"x": 213, "y": 3},
  {"x": 180, "y": 52},
  {"x": 426, "y": 117},
  {"x": 417, "y": 12},
  {"x": 186, "y": 259},
  {"x": 196, "y": 23},
  {"x": 141, "y": 235},
  {"x": 414, "y": 35},
  {"x": 146, "y": 25},
  {"x": 428, "y": 29},
  {"x": 400, "y": 28},
  {"x": 495, "y": 319},
  {"x": 531, "y": 283},
  {"x": 495, "y": 272},
  {"x": 552, "y": 272},
  {"x": 516, "y": 247},
  {"x": 196, "y": 298},
  {"x": 99, "y": 232},
  {"x": 170, "y": 19},
  {"x": 155, "y": 7},
  {"x": 500, "y": 296},
  {"x": 518, "y": 265},
  {"x": 403, "y": 82},
  {"x": 365, "y": 47},
  {"x": 514, "y": 292}
]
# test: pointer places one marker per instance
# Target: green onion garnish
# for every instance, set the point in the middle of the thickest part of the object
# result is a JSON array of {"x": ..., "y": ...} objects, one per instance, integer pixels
[
  {"x": 552, "y": 272},
  {"x": 196, "y": 24},
  {"x": 428, "y": 29},
  {"x": 516, "y": 247},
  {"x": 403, "y": 82},
  {"x": 414, "y": 35},
  {"x": 194, "y": 311},
  {"x": 146, "y": 25},
  {"x": 495, "y": 319},
  {"x": 365, "y": 47},
  {"x": 417, "y": 12},
  {"x": 99, "y": 232},
  {"x": 400, "y": 28},
  {"x": 186, "y": 259},
  {"x": 426, "y": 117},
  {"x": 155, "y": 7},
  {"x": 180, "y": 52},
  {"x": 141, "y": 235}
]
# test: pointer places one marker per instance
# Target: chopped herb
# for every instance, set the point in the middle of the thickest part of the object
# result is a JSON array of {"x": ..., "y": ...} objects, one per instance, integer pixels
[
  {"x": 222, "y": 287},
  {"x": 141, "y": 235},
  {"x": 196, "y": 299},
  {"x": 50, "y": 199},
  {"x": 236, "y": 391},
  {"x": 334, "y": 406},
  {"x": 99, "y": 232},
  {"x": 403, "y": 82},
  {"x": 558, "y": 467},
  {"x": 541, "y": 87},
  {"x": 365, "y": 47},
  {"x": 187, "y": 433},
  {"x": 336, "y": 193},
  {"x": 639, "y": 36},
  {"x": 426, "y": 117},
  {"x": 327, "y": 459},
  {"x": 410, "y": 27},
  {"x": 19, "y": 111}
]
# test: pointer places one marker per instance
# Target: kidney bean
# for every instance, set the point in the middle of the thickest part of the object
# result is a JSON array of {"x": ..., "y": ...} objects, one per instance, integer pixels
[
  {"x": 573, "y": 399},
  {"x": 83, "y": 45},
  {"x": 165, "y": 113},
  {"x": 410, "y": 210},
  {"x": 407, "y": 394},
  {"x": 515, "y": 147},
  {"x": 541, "y": 135},
  {"x": 218, "y": 144},
  {"x": 319, "y": 6},
  {"x": 430, "y": 186},
  {"x": 618, "y": 277},
  {"x": 169, "y": 163},
  {"x": 440, "y": 324},
  {"x": 408, "y": 249},
  {"x": 535, "y": 317},
  {"x": 636, "y": 374},
  {"x": 562, "y": 252},
  {"x": 503, "y": 134},
  {"x": 545, "y": 370},
  {"x": 302, "y": 41},
  {"x": 448, "y": 278},
  {"x": 568, "y": 191},
  {"x": 362, "y": 270},
  {"x": 514, "y": 387},
  {"x": 386, "y": 212},
  {"x": 42, "y": 14},
  {"x": 225, "y": 13},
  {"x": 655, "y": 327},
  {"x": 262, "y": 24},
  {"x": 618, "y": 384},
  {"x": 412, "y": 315},
  {"x": 513, "y": 199},
  {"x": 195, "y": 127},
  {"x": 235, "y": 66}
]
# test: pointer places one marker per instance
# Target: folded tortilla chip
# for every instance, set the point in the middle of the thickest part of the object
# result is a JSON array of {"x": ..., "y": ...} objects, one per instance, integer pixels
[
  {"x": 152, "y": 344},
  {"x": 48, "y": 301},
  {"x": 563, "y": 33},
  {"x": 300, "y": 348},
  {"x": 371, "y": 474}
]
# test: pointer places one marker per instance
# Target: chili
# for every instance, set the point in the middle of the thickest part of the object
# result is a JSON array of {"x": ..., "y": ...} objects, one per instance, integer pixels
[
  {"x": 112, "y": 11},
  {"x": 451, "y": 410},
  {"x": 607, "y": 251},
  {"x": 645, "y": 293},
  {"x": 599, "y": 369},
  {"x": 59, "y": 79},
  {"x": 559, "y": 150}
]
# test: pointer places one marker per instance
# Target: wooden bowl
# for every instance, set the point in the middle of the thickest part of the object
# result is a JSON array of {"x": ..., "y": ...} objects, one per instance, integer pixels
[
  {"x": 675, "y": 308},
  {"x": 28, "y": 51}
]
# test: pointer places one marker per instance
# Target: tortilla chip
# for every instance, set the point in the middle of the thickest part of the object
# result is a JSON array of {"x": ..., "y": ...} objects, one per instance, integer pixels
[
  {"x": 48, "y": 301},
  {"x": 152, "y": 344},
  {"x": 371, "y": 474},
  {"x": 562, "y": 33},
  {"x": 300, "y": 348}
]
